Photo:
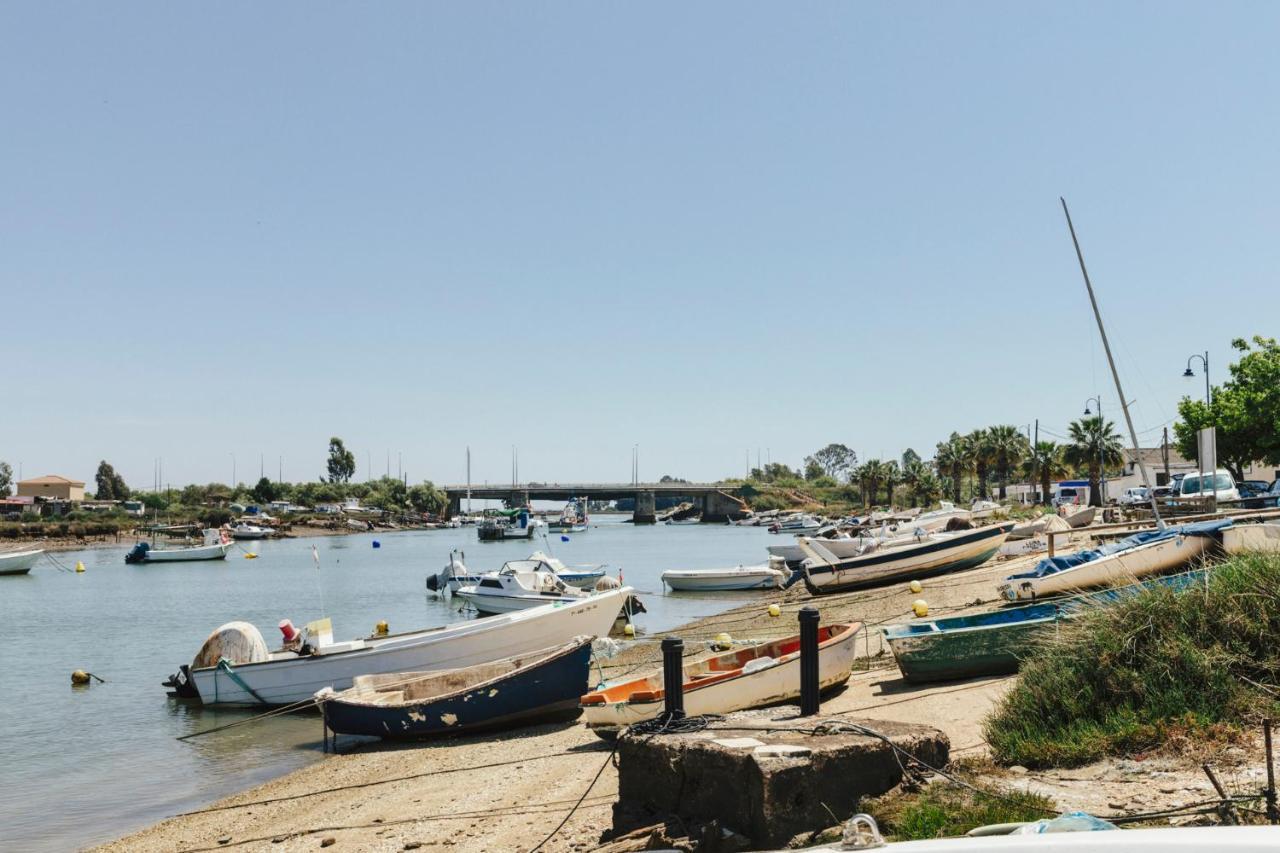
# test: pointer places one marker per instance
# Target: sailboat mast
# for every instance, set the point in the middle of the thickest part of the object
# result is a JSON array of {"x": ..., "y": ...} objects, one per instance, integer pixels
[{"x": 1115, "y": 374}]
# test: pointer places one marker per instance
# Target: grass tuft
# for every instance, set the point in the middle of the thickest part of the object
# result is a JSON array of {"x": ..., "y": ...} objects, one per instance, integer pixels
[
  {"x": 1158, "y": 669},
  {"x": 945, "y": 809}
]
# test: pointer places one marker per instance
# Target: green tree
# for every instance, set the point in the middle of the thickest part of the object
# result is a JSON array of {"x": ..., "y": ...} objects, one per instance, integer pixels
[
  {"x": 978, "y": 446},
  {"x": 1043, "y": 465},
  {"x": 925, "y": 486},
  {"x": 265, "y": 491},
  {"x": 892, "y": 477},
  {"x": 871, "y": 474},
  {"x": 1245, "y": 411},
  {"x": 952, "y": 459},
  {"x": 836, "y": 461},
  {"x": 342, "y": 462},
  {"x": 6, "y": 479},
  {"x": 155, "y": 501},
  {"x": 426, "y": 497},
  {"x": 1008, "y": 447},
  {"x": 111, "y": 486},
  {"x": 814, "y": 471},
  {"x": 1093, "y": 443},
  {"x": 909, "y": 456}
]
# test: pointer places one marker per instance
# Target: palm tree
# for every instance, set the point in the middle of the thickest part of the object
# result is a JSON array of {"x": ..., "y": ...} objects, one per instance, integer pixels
[
  {"x": 978, "y": 444},
  {"x": 952, "y": 461},
  {"x": 924, "y": 485},
  {"x": 892, "y": 477},
  {"x": 872, "y": 475},
  {"x": 1008, "y": 448},
  {"x": 912, "y": 471},
  {"x": 1043, "y": 464},
  {"x": 1092, "y": 443}
]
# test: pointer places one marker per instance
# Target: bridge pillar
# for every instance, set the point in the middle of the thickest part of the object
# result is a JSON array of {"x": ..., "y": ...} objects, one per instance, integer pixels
[
  {"x": 718, "y": 506},
  {"x": 455, "y": 506},
  {"x": 645, "y": 512}
]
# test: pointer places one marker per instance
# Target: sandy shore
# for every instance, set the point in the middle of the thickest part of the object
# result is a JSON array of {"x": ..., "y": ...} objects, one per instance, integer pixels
[{"x": 509, "y": 791}]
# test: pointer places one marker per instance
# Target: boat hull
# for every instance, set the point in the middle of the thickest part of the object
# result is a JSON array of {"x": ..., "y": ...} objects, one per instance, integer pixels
[
  {"x": 965, "y": 550},
  {"x": 770, "y": 686},
  {"x": 498, "y": 604},
  {"x": 719, "y": 580},
  {"x": 546, "y": 690},
  {"x": 19, "y": 563},
  {"x": 282, "y": 681},
  {"x": 1145, "y": 560},
  {"x": 186, "y": 555},
  {"x": 1251, "y": 537}
]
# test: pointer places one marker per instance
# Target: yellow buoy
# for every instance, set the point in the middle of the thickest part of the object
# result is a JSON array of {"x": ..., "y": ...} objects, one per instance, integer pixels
[
  {"x": 722, "y": 641},
  {"x": 775, "y": 610},
  {"x": 629, "y": 630},
  {"x": 79, "y": 677},
  {"x": 915, "y": 586},
  {"x": 921, "y": 607},
  {"x": 381, "y": 628},
  {"x": 79, "y": 567}
]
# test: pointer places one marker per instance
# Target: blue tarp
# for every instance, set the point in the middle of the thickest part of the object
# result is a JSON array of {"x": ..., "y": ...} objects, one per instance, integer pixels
[{"x": 1053, "y": 565}]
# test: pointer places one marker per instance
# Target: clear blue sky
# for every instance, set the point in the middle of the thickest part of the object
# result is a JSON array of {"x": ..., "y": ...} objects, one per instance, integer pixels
[{"x": 242, "y": 228}]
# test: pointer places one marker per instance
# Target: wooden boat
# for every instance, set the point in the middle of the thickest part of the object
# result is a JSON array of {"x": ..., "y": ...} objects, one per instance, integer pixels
[
  {"x": 750, "y": 677},
  {"x": 1082, "y": 518},
  {"x": 215, "y": 547},
  {"x": 923, "y": 556},
  {"x": 535, "y": 686},
  {"x": 294, "y": 674},
  {"x": 996, "y": 642},
  {"x": 1141, "y": 555},
  {"x": 19, "y": 562},
  {"x": 719, "y": 580}
]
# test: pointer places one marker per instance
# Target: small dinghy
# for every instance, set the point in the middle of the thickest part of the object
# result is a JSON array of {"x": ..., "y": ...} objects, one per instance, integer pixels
[
  {"x": 1150, "y": 552},
  {"x": 537, "y": 686},
  {"x": 215, "y": 547},
  {"x": 723, "y": 580},
  {"x": 19, "y": 562},
  {"x": 750, "y": 677}
]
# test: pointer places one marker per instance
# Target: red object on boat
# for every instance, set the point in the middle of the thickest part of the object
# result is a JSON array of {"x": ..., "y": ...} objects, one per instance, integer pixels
[{"x": 290, "y": 632}]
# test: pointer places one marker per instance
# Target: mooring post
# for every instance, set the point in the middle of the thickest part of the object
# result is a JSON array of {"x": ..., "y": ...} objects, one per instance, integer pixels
[
  {"x": 809, "y": 699},
  {"x": 673, "y": 677},
  {"x": 1273, "y": 812}
]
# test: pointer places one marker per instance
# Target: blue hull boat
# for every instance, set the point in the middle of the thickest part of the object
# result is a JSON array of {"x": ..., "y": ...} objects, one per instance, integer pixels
[{"x": 539, "y": 686}]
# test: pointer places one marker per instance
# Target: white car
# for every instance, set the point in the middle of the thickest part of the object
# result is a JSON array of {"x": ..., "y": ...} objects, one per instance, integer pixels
[
  {"x": 1220, "y": 484},
  {"x": 1134, "y": 496}
]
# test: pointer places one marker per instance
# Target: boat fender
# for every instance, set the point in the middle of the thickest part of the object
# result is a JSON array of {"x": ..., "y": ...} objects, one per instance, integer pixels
[
  {"x": 775, "y": 611},
  {"x": 916, "y": 587},
  {"x": 377, "y": 544},
  {"x": 722, "y": 642},
  {"x": 629, "y": 630},
  {"x": 381, "y": 628},
  {"x": 920, "y": 607}
]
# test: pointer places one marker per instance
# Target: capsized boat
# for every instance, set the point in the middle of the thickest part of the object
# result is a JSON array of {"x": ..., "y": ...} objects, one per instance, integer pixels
[
  {"x": 1243, "y": 538},
  {"x": 19, "y": 562},
  {"x": 216, "y": 545},
  {"x": 1150, "y": 552},
  {"x": 235, "y": 668},
  {"x": 749, "y": 677},
  {"x": 996, "y": 642},
  {"x": 721, "y": 580},
  {"x": 904, "y": 559},
  {"x": 1081, "y": 518},
  {"x": 535, "y": 686}
]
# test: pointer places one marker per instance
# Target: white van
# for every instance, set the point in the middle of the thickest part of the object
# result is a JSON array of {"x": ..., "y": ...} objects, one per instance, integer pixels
[{"x": 1220, "y": 484}]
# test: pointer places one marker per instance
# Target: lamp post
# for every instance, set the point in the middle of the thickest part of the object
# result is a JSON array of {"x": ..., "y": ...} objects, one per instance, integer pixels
[
  {"x": 233, "y": 472},
  {"x": 1102, "y": 451},
  {"x": 1189, "y": 373}
]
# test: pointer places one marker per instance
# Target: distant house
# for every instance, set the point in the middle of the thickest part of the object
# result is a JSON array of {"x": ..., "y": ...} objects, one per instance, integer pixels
[{"x": 51, "y": 487}]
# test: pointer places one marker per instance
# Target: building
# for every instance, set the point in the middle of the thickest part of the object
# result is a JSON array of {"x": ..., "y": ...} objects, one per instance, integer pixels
[{"x": 51, "y": 487}]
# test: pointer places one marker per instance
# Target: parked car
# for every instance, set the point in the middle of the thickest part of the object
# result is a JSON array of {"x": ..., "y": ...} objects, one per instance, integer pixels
[
  {"x": 1134, "y": 496},
  {"x": 1220, "y": 484},
  {"x": 1254, "y": 494}
]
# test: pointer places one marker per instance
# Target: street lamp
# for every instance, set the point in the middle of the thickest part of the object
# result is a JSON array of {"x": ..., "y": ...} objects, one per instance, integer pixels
[
  {"x": 1102, "y": 450},
  {"x": 1189, "y": 374}
]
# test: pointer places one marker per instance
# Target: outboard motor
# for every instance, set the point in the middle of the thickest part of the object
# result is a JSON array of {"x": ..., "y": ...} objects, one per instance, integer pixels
[
  {"x": 138, "y": 553},
  {"x": 433, "y": 583}
]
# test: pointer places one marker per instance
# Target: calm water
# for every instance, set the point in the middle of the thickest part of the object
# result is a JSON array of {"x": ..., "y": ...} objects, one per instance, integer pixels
[{"x": 84, "y": 765}]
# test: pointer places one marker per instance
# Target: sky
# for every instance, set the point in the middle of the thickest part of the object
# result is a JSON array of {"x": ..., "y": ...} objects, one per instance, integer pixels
[{"x": 230, "y": 231}]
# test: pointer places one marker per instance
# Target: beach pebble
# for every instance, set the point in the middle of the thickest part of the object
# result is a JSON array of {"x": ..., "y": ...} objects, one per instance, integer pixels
[
  {"x": 1114, "y": 805},
  {"x": 1018, "y": 770},
  {"x": 414, "y": 845},
  {"x": 328, "y": 842},
  {"x": 226, "y": 839}
]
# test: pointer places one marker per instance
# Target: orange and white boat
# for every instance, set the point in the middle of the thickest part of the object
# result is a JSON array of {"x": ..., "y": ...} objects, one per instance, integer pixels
[{"x": 749, "y": 677}]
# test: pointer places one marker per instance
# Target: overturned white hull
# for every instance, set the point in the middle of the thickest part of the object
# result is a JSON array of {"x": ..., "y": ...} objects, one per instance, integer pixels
[
  {"x": 721, "y": 580},
  {"x": 19, "y": 563}
]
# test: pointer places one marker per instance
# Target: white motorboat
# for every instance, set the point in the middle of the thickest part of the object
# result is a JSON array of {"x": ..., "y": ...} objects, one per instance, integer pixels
[
  {"x": 515, "y": 588},
  {"x": 935, "y": 519},
  {"x": 251, "y": 675},
  {"x": 900, "y": 559},
  {"x": 19, "y": 562},
  {"x": 250, "y": 531},
  {"x": 984, "y": 509},
  {"x": 684, "y": 521},
  {"x": 456, "y": 575},
  {"x": 215, "y": 547},
  {"x": 796, "y": 524},
  {"x": 1148, "y": 553},
  {"x": 722, "y": 580}
]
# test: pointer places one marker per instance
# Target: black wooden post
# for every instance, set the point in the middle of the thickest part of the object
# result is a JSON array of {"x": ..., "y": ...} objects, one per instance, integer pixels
[
  {"x": 809, "y": 699},
  {"x": 673, "y": 677}
]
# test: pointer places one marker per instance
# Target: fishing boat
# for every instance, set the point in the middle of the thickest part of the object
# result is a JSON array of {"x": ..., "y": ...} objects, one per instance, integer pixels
[
  {"x": 796, "y": 524},
  {"x": 984, "y": 509},
  {"x": 456, "y": 575},
  {"x": 1150, "y": 552},
  {"x": 234, "y": 666},
  {"x": 250, "y": 531},
  {"x": 923, "y": 556},
  {"x": 509, "y": 524},
  {"x": 573, "y": 518},
  {"x": 685, "y": 521},
  {"x": 996, "y": 642},
  {"x": 216, "y": 545},
  {"x": 19, "y": 562},
  {"x": 936, "y": 519},
  {"x": 749, "y": 677},
  {"x": 516, "y": 587},
  {"x": 535, "y": 686},
  {"x": 721, "y": 580}
]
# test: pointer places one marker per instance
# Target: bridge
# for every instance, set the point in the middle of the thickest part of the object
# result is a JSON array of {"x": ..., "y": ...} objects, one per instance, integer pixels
[{"x": 716, "y": 501}]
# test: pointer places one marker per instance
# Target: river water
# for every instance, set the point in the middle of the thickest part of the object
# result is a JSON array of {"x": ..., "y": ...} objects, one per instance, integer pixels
[{"x": 83, "y": 765}]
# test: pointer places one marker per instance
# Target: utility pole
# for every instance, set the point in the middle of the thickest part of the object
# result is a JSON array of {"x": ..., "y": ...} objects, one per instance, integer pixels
[
  {"x": 280, "y": 469},
  {"x": 1164, "y": 454},
  {"x": 468, "y": 480}
]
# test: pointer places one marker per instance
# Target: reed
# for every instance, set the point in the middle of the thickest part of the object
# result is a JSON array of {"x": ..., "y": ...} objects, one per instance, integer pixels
[{"x": 1159, "y": 670}]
